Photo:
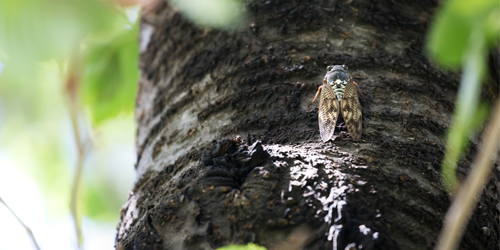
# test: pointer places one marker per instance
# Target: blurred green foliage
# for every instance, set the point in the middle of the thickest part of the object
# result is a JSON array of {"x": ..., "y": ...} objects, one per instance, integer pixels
[
  {"x": 455, "y": 26},
  {"x": 219, "y": 14},
  {"x": 33, "y": 133},
  {"x": 250, "y": 246},
  {"x": 109, "y": 81},
  {"x": 40, "y": 30},
  {"x": 462, "y": 34},
  {"x": 37, "y": 40}
]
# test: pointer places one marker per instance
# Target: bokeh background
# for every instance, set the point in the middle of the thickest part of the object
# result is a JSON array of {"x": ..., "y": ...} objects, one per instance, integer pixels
[{"x": 44, "y": 46}]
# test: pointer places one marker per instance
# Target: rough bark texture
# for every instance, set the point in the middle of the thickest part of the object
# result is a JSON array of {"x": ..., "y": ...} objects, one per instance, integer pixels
[{"x": 228, "y": 142}]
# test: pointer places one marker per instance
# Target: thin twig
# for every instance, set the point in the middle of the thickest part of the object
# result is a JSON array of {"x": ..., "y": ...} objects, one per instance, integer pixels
[
  {"x": 28, "y": 230},
  {"x": 76, "y": 181},
  {"x": 71, "y": 91},
  {"x": 460, "y": 211}
]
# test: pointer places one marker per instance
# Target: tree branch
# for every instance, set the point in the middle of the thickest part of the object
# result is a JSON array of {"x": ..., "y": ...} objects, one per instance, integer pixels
[
  {"x": 460, "y": 211},
  {"x": 71, "y": 91},
  {"x": 28, "y": 230}
]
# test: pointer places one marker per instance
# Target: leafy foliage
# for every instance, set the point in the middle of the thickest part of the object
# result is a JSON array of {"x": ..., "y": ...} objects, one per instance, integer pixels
[
  {"x": 454, "y": 27},
  {"x": 109, "y": 81},
  {"x": 461, "y": 35},
  {"x": 37, "y": 40},
  {"x": 41, "y": 30}
]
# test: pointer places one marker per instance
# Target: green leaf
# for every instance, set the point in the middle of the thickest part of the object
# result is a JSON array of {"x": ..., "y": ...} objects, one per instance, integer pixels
[
  {"x": 32, "y": 31},
  {"x": 250, "y": 246},
  {"x": 100, "y": 201},
  {"x": 449, "y": 34},
  {"x": 109, "y": 81},
  {"x": 220, "y": 14},
  {"x": 467, "y": 116}
]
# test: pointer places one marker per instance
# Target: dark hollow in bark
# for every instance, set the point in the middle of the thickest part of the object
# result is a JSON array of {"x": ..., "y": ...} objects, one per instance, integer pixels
[{"x": 228, "y": 142}]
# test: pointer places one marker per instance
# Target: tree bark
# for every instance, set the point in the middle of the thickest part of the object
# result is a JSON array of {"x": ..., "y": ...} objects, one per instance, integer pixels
[{"x": 228, "y": 143}]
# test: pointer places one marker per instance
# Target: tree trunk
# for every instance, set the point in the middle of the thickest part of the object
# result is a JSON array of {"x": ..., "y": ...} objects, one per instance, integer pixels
[{"x": 228, "y": 143}]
